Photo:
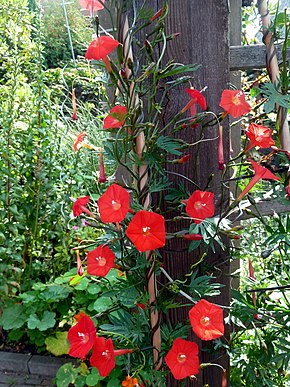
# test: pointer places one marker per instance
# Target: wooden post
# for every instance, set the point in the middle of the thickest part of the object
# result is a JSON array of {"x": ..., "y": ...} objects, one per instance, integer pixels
[
  {"x": 235, "y": 79},
  {"x": 203, "y": 26}
]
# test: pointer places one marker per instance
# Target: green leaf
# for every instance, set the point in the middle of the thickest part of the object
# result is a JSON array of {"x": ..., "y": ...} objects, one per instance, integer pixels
[
  {"x": 83, "y": 284},
  {"x": 47, "y": 321},
  {"x": 94, "y": 289},
  {"x": 57, "y": 345},
  {"x": 16, "y": 334},
  {"x": 55, "y": 293},
  {"x": 175, "y": 69},
  {"x": 169, "y": 145},
  {"x": 65, "y": 375},
  {"x": 275, "y": 97},
  {"x": 13, "y": 317},
  {"x": 101, "y": 305},
  {"x": 93, "y": 378},
  {"x": 114, "y": 383}
]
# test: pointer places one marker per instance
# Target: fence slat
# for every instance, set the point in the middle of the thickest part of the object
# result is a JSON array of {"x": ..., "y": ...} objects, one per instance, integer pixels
[{"x": 252, "y": 57}]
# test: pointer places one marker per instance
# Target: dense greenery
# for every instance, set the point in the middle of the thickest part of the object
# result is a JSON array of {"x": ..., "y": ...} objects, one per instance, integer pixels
[{"x": 38, "y": 172}]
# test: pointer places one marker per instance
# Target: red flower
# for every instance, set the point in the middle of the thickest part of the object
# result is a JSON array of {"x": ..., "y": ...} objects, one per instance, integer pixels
[
  {"x": 182, "y": 359},
  {"x": 78, "y": 141},
  {"x": 116, "y": 117},
  {"x": 114, "y": 204},
  {"x": 196, "y": 97},
  {"x": 100, "y": 261},
  {"x": 260, "y": 136},
  {"x": 103, "y": 356},
  {"x": 100, "y": 48},
  {"x": 260, "y": 173},
  {"x": 91, "y": 5},
  {"x": 207, "y": 320},
  {"x": 81, "y": 337},
  {"x": 147, "y": 230},
  {"x": 200, "y": 205},
  {"x": 74, "y": 105},
  {"x": 79, "y": 206},
  {"x": 234, "y": 103}
]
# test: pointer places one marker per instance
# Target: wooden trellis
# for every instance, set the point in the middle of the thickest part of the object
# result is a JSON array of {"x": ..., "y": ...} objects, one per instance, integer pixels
[{"x": 210, "y": 34}]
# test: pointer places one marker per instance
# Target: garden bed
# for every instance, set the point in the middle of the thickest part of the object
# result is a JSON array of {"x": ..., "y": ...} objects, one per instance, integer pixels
[{"x": 28, "y": 370}]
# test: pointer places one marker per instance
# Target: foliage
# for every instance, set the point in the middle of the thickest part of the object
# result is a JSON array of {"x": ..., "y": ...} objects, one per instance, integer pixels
[
  {"x": 260, "y": 354},
  {"x": 36, "y": 168},
  {"x": 57, "y": 46}
]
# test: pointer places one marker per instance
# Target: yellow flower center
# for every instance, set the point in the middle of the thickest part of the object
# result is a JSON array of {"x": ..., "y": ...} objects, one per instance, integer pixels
[
  {"x": 181, "y": 357},
  {"x": 205, "y": 321},
  {"x": 236, "y": 99},
  {"x": 199, "y": 205},
  {"x": 116, "y": 206},
  {"x": 84, "y": 337},
  {"x": 106, "y": 354},
  {"x": 101, "y": 261},
  {"x": 146, "y": 230}
]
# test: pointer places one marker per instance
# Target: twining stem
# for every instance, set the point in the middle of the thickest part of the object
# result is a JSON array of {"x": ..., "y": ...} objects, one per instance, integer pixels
[
  {"x": 273, "y": 70},
  {"x": 140, "y": 148}
]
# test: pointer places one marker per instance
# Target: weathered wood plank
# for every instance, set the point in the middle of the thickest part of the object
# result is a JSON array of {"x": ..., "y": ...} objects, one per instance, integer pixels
[
  {"x": 206, "y": 44},
  {"x": 263, "y": 207},
  {"x": 252, "y": 57}
]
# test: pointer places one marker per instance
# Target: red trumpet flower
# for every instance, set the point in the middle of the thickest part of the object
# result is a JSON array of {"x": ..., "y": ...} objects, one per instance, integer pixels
[
  {"x": 207, "y": 320},
  {"x": 100, "y": 261},
  {"x": 103, "y": 356},
  {"x": 79, "y": 206},
  {"x": 200, "y": 205},
  {"x": 147, "y": 231},
  {"x": 92, "y": 5},
  {"x": 78, "y": 141},
  {"x": 116, "y": 117},
  {"x": 196, "y": 97},
  {"x": 260, "y": 173},
  {"x": 260, "y": 136},
  {"x": 82, "y": 337},
  {"x": 114, "y": 204},
  {"x": 234, "y": 103},
  {"x": 100, "y": 48},
  {"x": 182, "y": 359}
]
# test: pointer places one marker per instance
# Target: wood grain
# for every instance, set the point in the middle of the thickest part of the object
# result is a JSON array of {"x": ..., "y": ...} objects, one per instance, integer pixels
[{"x": 252, "y": 57}]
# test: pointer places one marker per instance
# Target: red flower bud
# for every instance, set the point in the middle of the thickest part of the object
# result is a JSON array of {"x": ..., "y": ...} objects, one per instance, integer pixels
[
  {"x": 193, "y": 237},
  {"x": 157, "y": 14},
  {"x": 182, "y": 160},
  {"x": 102, "y": 177}
]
